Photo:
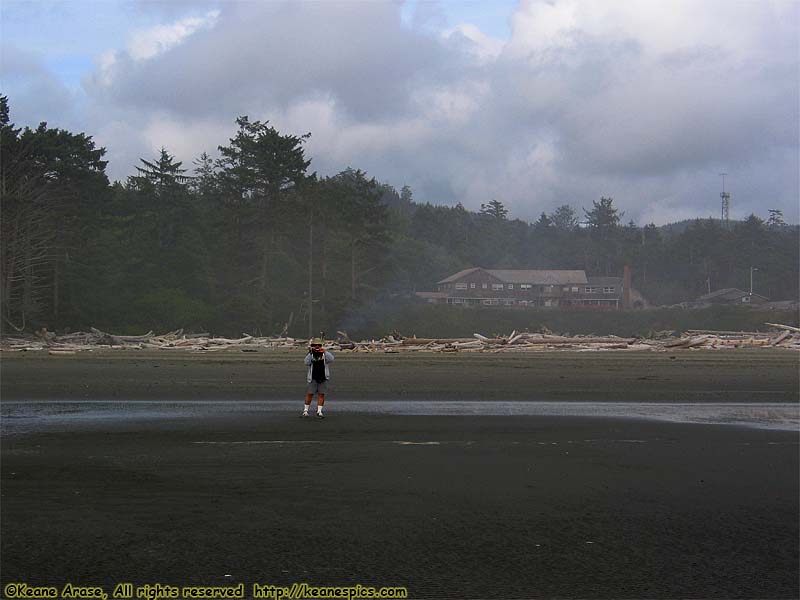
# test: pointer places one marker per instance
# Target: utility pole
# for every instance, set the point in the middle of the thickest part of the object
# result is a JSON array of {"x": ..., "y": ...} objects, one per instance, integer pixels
[{"x": 751, "y": 279}]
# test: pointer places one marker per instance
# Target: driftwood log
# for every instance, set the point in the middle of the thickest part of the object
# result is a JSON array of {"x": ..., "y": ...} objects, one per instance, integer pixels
[
  {"x": 785, "y": 327},
  {"x": 413, "y": 341}
]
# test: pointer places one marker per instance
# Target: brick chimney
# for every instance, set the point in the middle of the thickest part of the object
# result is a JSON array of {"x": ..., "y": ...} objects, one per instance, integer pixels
[{"x": 626, "y": 287}]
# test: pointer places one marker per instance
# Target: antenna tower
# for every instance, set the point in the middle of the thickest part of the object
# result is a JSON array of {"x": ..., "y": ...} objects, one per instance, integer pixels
[{"x": 726, "y": 203}]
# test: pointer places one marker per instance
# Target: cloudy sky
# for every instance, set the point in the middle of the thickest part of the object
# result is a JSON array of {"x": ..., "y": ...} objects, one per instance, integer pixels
[{"x": 535, "y": 103}]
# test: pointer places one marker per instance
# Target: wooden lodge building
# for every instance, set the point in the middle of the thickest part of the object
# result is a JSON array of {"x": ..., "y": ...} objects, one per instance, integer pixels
[{"x": 535, "y": 288}]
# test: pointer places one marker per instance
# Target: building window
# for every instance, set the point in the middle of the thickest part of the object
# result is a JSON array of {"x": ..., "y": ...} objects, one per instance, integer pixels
[
  {"x": 525, "y": 286},
  {"x": 511, "y": 286},
  {"x": 566, "y": 288},
  {"x": 590, "y": 290},
  {"x": 472, "y": 286},
  {"x": 508, "y": 302},
  {"x": 461, "y": 286},
  {"x": 609, "y": 289},
  {"x": 575, "y": 288},
  {"x": 484, "y": 286},
  {"x": 497, "y": 286}
]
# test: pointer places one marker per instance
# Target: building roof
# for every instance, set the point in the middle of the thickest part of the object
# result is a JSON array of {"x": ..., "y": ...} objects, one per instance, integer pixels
[
  {"x": 721, "y": 293},
  {"x": 727, "y": 294},
  {"x": 552, "y": 276},
  {"x": 605, "y": 281},
  {"x": 537, "y": 276},
  {"x": 459, "y": 275}
]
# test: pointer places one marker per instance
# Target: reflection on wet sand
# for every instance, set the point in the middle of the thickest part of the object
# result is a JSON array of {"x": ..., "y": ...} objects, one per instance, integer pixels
[{"x": 23, "y": 416}]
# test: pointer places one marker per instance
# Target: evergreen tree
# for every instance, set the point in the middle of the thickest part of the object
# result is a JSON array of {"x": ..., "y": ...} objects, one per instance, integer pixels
[
  {"x": 362, "y": 219},
  {"x": 543, "y": 224},
  {"x": 258, "y": 172},
  {"x": 494, "y": 209},
  {"x": 564, "y": 218},
  {"x": 204, "y": 182},
  {"x": 53, "y": 184},
  {"x": 162, "y": 174},
  {"x": 775, "y": 220},
  {"x": 603, "y": 216}
]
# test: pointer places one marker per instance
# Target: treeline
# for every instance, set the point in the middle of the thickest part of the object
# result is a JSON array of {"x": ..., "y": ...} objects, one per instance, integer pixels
[
  {"x": 668, "y": 267},
  {"x": 443, "y": 321},
  {"x": 254, "y": 241}
]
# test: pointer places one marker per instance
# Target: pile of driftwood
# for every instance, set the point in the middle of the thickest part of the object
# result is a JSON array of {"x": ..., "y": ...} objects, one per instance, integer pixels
[
  {"x": 71, "y": 343},
  {"x": 785, "y": 336},
  {"x": 516, "y": 342}
]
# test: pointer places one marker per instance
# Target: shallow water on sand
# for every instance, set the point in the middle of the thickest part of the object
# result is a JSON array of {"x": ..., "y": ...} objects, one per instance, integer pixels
[{"x": 30, "y": 416}]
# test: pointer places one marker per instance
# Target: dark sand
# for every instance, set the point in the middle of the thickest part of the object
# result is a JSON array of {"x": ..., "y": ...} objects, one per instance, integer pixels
[
  {"x": 683, "y": 376},
  {"x": 500, "y": 507}
]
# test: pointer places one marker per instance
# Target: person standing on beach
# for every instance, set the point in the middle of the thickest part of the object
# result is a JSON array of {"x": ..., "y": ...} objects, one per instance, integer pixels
[{"x": 319, "y": 374}]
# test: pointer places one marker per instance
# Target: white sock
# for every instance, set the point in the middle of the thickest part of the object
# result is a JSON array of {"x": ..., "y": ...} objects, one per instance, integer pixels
[
  {"x": 319, "y": 410},
  {"x": 305, "y": 408}
]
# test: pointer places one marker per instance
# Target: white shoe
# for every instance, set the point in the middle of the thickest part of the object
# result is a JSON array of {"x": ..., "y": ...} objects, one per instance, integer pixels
[
  {"x": 305, "y": 413},
  {"x": 320, "y": 415}
]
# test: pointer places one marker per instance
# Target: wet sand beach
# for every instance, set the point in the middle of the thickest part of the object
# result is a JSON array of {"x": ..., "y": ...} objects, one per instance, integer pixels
[
  {"x": 684, "y": 376},
  {"x": 451, "y": 506}
]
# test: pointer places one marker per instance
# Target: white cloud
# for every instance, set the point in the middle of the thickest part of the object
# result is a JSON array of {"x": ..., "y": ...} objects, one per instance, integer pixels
[
  {"x": 539, "y": 26},
  {"x": 450, "y": 104},
  {"x": 143, "y": 44},
  {"x": 740, "y": 29},
  {"x": 484, "y": 47},
  {"x": 105, "y": 62},
  {"x": 183, "y": 138},
  {"x": 149, "y": 42}
]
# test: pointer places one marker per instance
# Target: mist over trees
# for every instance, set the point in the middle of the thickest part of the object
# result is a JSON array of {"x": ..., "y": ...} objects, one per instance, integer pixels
[{"x": 235, "y": 244}]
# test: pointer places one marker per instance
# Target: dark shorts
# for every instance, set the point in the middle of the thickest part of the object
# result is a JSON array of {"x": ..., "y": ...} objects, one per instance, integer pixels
[{"x": 316, "y": 387}]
